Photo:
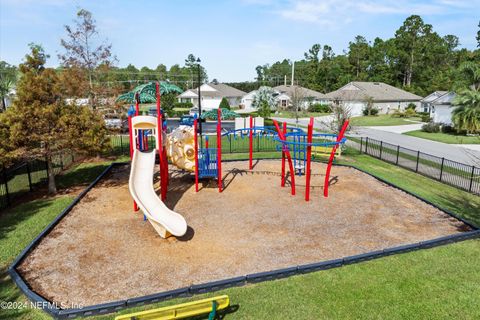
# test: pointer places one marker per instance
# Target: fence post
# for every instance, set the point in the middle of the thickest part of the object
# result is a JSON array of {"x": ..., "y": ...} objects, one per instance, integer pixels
[
  {"x": 361, "y": 144},
  {"x": 258, "y": 143},
  {"x": 46, "y": 165},
  {"x": 441, "y": 169},
  {"x": 29, "y": 177},
  {"x": 121, "y": 144},
  {"x": 5, "y": 180},
  {"x": 398, "y": 154},
  {"x": 366, "y": 146},
  {"x": 230, "y": 143},
  {"x": 381, "y": 149},
  {"x": 418, "y": 158},
  {"x": 471, "y": 179}
]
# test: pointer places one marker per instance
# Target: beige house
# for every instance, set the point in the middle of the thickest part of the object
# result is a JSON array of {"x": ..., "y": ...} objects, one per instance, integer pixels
[{"x": 355, "y": 95}]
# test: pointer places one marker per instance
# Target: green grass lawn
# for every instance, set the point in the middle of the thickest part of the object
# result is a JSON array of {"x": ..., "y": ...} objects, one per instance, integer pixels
[
  {"x": 381, "y": 120},
  {"x": 449, "y": 138},
  {"x": 291, "y": 114},
  {"x": 438, "y": 283}
]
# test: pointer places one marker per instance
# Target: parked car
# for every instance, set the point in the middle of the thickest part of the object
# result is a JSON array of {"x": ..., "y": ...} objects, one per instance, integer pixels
[
  {"x": 186, "y": 120},
  {"x": 113, "y": 121},
  {"x": 193, "y": 111},
  {"x": 153, "y": 112}
]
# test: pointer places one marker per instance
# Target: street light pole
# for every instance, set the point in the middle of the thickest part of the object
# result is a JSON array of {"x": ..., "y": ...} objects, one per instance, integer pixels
[{"x": 199, "y": 103}]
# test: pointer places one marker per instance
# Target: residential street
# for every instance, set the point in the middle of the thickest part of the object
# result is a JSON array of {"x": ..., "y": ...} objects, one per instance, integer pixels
[{"x": 393, "y": 135}]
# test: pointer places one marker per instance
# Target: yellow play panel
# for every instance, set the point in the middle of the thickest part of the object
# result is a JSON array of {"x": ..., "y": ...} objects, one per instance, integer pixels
[{"x": 181, "y": 311}]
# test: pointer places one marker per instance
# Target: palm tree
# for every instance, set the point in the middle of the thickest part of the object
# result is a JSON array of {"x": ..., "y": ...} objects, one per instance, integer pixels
[
  {"x": 6, "y": 85},
  {"x": 471, "y": 72},
  {"x": 466, "y": 115}
]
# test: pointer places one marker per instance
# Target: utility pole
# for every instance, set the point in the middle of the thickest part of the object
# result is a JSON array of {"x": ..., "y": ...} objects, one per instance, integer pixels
[
  {"x": 199, "y": 102},
  {"x": 293, "y": 71}
]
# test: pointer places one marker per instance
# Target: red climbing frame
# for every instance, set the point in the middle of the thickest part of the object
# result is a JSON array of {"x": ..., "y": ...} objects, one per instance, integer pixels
[
  {"x": 219, "y": 149},
  {"x": 251, "y": 143},
  {"x": 162, "y": 156},
  {"x": 130, "y": 136},
  {"x": 332, "y": 155},
  {"x": 195, "y": 124},
  {"x": 281, "y": 135},
  {"x": 309, "y": 159},
  {"x": 283, "y": 157}
]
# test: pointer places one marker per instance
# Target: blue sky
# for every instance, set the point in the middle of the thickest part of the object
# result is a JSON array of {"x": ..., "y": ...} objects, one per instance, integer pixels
[{"x": 231, "y": 37}]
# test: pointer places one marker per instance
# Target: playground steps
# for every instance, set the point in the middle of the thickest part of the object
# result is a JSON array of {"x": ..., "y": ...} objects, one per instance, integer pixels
[{"x": 180, "y": 311}]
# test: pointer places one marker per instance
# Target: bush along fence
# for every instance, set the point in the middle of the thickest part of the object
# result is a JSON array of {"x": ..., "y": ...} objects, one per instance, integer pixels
[
  {"x": 28, "y": 176},
  {"x": 456, "y": 174}
]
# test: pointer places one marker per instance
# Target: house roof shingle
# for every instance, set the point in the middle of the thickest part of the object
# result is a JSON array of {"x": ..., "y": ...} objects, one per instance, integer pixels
[
  {"x": 290, "y": 90},
  {"x": 379, "y": 91},
  {"x": 446, "y": 98},
  {"x": 434, "y": 95}
]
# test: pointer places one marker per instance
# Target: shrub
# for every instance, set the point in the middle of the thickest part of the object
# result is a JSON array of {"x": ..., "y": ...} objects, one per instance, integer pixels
[
  {"x": 426, "y": 118},
  {"x": 318, "y": 107},
  {"x": 224, "y": 104},
  {"x": 431, "y": 127},
  {"x": 183, "y": 105},
  {"x": 447, "y": 128},
  {"x": 370, "y": 111},
  {"x": 398, "y": 114},
  {"x": 410, "y": 113},
  {"x": 411, "y": 106}
]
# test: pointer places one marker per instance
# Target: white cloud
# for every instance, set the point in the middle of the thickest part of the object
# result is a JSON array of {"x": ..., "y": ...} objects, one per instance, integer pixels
[{"x": 330, "y": 12}]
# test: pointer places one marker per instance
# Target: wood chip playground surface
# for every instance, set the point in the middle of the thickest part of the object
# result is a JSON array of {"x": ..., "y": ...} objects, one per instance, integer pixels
[{"x": 102, "y": 251}]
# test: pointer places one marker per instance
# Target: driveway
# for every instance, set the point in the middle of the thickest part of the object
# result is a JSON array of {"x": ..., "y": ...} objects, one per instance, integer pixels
[{"x": 399, "y": 129}]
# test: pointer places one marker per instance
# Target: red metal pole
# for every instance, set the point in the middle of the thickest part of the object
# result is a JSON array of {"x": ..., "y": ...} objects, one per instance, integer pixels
[
  {"x": 251, "y": 143},
  {"x": 130, "y": 134},
  {"x": 309, "y": 159},
  {"x": 196, "y": 153},
  {"x": 287, "y": 153},
  {"x": 219, "y": 149},
  {"x": 163, "y": 164},
  {"x": 283, "y": 156},
  {"x": 332, "y": 155}
]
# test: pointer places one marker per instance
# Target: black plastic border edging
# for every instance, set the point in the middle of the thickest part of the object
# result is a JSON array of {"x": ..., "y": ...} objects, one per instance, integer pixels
[
  {"x": 34, "y": 297},
  {"x": 226, "y": 283}
]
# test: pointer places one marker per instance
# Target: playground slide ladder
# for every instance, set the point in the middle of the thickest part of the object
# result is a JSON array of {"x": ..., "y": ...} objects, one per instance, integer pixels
[{"x": 181, "y": 311}]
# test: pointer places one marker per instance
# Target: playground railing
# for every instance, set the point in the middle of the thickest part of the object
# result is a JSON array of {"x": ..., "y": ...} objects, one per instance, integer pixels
[{"x": 456, "y": 174}]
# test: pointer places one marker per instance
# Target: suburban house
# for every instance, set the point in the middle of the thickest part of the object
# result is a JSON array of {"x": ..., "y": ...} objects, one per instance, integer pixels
[
  {"x": 441, "y": 108},
  {"x": 285, "y": 94},
  {"x": 386, "y": 98},
  {"x": 212, "y": 94},
  {"x": 426, "y": 103}
]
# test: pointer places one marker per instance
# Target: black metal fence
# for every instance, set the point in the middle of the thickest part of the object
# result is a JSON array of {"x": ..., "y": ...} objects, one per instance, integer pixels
[
  {"x": 456, "y": 174},
  {"x": 25, "y": 177},
  {"x": 28, "y": 176}
]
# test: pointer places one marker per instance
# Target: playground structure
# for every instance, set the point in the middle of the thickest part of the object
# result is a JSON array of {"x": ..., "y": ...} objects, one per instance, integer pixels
[{"x": 206, "y": 162}]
